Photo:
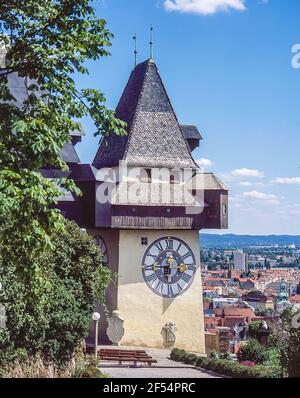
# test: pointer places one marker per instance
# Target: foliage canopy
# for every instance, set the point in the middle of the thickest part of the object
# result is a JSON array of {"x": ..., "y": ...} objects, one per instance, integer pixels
[
  {"x": 47, "y": 42},
  {"x": 55, "y": 326}
]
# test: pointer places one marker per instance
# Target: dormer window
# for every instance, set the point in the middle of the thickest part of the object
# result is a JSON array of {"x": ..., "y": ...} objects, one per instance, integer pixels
[{"x": 146, "y": 175}]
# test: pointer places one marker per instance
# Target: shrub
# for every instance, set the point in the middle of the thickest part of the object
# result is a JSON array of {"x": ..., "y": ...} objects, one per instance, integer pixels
[
  {"x": 286, "y": 339},
  {"x": 213, "y": 354},
  {"x": 54, "y": 328},
  {"x": 88, "y": 370},
  {"x": 92, "y": 373},
  {"x": 254, "y": 328},
  {"x": 247, "y": 363},
  {"x": 177, "y": 354},
  {"x": 225, "y": 355},
  {"x": 252, "y": 351},
  {"x": 225, "y": 367}
]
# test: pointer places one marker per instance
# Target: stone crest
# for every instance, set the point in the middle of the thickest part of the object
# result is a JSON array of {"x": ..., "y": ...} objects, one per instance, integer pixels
[
  {"x": 115, "y": 329},
  {"x": 169, "y": 335}
]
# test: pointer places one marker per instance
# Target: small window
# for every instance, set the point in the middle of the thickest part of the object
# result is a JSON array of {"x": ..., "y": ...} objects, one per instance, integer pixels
[
  {"x": 144, "y": 241},
  {"x": 148, "y": 171},
  {"x": 146, "y": 175},
  {"x": 175, "y": 177}
]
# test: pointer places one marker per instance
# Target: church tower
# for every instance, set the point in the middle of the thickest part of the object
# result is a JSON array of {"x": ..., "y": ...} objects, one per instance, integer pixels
[{"x": 156, "y": 201}]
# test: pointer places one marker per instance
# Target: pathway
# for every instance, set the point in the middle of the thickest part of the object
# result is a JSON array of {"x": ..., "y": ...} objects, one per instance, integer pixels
[{"x": 164, "y": 368}]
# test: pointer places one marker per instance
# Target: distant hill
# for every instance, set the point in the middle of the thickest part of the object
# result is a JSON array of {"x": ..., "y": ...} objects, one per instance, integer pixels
[{"x": 239, "y": 241}]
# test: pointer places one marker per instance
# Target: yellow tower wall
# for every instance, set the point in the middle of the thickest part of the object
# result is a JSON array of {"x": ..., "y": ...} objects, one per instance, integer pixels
[{"x": 146, "y": 313}]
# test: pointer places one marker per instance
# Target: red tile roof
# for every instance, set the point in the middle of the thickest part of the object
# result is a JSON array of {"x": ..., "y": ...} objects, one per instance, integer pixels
[
  {"x": 208, "y": 288},
  {"x": 232, "y": 321},
  {"x": 295, "y": 299},
  {"x": 210, "y": 319},
  {"x": 230, "y": 312}
]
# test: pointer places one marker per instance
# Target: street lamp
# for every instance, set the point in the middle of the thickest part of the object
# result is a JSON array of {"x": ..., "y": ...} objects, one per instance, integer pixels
[{"x": 96, "y": 318}]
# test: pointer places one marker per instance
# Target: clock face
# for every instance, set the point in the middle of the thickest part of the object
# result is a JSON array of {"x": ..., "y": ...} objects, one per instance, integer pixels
[
  {"x": 100, "y": 242},
  {"x": 169, "y": 267}
]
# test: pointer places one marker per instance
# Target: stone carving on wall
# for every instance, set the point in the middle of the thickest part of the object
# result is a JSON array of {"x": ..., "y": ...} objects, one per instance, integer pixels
[
  {"x": 169, "y": 335},
  {"x": 115, "y": 329}
]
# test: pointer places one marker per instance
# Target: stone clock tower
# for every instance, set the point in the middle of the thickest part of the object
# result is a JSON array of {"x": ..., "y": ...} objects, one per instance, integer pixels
[
  {"x": 148, "y": 228},
  {"x": 145, "y": 201}
]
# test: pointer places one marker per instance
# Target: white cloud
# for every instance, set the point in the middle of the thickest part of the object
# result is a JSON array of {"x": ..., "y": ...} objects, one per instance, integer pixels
[
  {"x": 287, "y": 181},
  {"x": 204, "y": 7},
  {"x": 204, "y": 162},
  {"x": 262, "y": 197},
  {"x": 245, "y": 184},
  {"x": 250, "y": 184},
  {"x": 247, "y": 173}
]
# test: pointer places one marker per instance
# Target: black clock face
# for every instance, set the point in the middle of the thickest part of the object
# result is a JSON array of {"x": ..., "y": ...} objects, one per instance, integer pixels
[
  {"x": 169, "y": 267},
  {"x": 100, "y": 242}
]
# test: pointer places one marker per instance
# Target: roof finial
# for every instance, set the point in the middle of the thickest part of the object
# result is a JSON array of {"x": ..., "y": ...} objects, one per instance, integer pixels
[
  {"x": 135, "y": 50},
  {"x": 151, "y": 42}
]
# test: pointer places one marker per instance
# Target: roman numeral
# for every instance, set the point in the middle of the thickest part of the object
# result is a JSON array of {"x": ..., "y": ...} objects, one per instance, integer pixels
[
  {"x": 159, "y": 246},
  {"x": 179, "y": 288},
  {"x": 179, "y": 246},
  {"x": 186, "y": 277},
  {"x": 186, "y": 255},
  {"x": 190, "y": 266},
  {"x": 151, "y": 277},
  {"x": 169, "y": 244},
  {"x": 159, "y": 286},
  {"x": 170, "y": 290}
]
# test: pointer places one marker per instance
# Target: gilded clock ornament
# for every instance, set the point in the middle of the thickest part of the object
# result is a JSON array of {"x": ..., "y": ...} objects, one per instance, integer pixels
[{"x": 168, "y": 267}]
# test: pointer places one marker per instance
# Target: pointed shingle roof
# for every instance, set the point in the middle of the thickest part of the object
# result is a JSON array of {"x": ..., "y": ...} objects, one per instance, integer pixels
[{"x": 154, "y": 137}]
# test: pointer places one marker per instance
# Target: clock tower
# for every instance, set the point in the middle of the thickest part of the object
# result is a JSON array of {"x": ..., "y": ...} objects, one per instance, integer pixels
[
  {"x": 144, "y": 201},
  {"x": 151, "y": 200}
]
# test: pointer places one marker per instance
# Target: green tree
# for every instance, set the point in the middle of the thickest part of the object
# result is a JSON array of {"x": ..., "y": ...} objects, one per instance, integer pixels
[
  {"x": 55, "y": 327},
  {"x": 254, "y": 328},
  {"x": 286, "y": 336},
  {"x": 47, "y": 42},
  {"x": 252, "y": 351}
]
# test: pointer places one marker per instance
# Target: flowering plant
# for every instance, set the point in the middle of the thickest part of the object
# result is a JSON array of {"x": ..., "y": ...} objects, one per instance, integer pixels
[{"x": 247, "y": 363}]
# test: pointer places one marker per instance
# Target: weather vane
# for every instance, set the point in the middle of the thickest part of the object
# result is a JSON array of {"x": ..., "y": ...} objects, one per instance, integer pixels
[
  {"x": 135, "y": 50},
  {"x": 151, "y": 42}
]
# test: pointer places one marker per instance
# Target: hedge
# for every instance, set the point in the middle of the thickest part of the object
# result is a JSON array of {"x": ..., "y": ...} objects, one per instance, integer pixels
[{"x": 224, "y": 367}]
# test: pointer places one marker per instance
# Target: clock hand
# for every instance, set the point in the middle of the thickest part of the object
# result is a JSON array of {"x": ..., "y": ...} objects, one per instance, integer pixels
[
  {"x": 181, "y": 267},
  {"x": 155, "y": 266}
]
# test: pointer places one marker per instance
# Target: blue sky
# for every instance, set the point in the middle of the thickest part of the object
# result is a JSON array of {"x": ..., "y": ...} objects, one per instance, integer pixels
[{"x": 227, "y": 67}]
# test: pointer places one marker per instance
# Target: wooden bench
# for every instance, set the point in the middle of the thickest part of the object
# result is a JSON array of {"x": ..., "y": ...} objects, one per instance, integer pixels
[
  {"x": 135, "y": 356},
  {"x": 119, "y": 351}
]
